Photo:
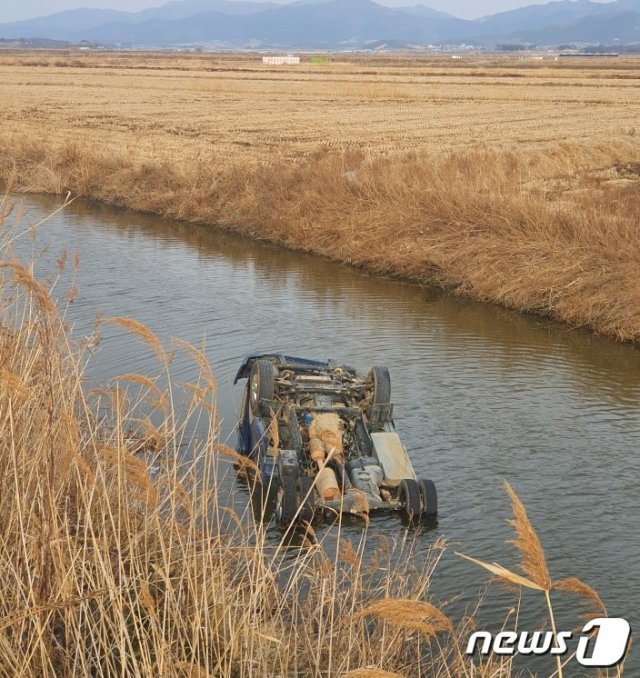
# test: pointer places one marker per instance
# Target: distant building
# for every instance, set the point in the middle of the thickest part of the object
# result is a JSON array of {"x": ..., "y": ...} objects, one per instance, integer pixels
[{"x": 280, "y": 60}]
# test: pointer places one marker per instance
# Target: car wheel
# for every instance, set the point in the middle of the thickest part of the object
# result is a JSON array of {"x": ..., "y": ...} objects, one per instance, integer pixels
[
  {"x": 409, "y": 497},
  {"x": 306, "y": 498},
  {"x": 429, "y": 498},
  {"x": 381, "y": 385},
  {"x": 380, "y": 411},
  {"x": 263, "y": 498},
  {"x": 286, "y": 502},
  {"x": 262, "y": 384}
]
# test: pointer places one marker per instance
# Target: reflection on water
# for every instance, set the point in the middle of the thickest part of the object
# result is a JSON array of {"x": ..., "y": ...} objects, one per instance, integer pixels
[{"x": 481, "y": 394}]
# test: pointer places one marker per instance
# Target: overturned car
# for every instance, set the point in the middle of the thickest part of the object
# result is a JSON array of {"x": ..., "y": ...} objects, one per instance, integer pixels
[{"x": 322, "y": 435}]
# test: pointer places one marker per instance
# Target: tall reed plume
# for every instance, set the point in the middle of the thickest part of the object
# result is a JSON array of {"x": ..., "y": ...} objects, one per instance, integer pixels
[{"x": 534, "y": 564}]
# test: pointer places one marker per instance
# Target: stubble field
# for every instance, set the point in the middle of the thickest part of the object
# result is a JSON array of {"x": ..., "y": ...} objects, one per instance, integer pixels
[{"x": 174, "y": 106}]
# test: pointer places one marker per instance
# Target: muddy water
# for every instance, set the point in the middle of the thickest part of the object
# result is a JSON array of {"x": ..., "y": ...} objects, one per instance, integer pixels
[{"x": 481, "y": 394}]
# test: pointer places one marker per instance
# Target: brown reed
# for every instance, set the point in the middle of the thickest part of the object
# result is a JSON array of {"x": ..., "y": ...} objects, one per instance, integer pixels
[
  {"x": 534, "y": 565},
  {"x": 534, "y": 562},
  {"x": 409, "y": 614}
]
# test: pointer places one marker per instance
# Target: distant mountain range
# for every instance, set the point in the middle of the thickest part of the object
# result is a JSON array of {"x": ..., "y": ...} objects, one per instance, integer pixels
[{"x": 334, "y": 24}]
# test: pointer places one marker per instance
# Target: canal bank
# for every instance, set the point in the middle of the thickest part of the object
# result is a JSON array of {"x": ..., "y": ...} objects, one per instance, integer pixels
[{"x": 550, "y": 232}]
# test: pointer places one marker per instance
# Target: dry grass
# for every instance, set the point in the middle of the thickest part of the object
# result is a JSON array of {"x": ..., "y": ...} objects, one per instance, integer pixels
[
  {"x": 417, "y": 616},
  {"x": 375, "y": 162}
]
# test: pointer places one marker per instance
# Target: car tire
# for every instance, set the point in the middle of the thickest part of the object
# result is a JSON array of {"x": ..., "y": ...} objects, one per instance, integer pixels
[
  {"x": 380, "y": 411},
  {"x": 262, "y": 494},
  {"x": 286, "y": 502},
  {"x": 429, "y": 498},
  {"x": 381, "y": 379},
  {"x": 409, "y": 497},
  {"x": 262, "y": 385},
  {"x": 306, "y": 499}
]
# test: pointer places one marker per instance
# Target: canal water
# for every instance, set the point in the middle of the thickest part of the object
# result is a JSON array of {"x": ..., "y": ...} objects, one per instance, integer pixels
[{"x": 481, "y": 394}]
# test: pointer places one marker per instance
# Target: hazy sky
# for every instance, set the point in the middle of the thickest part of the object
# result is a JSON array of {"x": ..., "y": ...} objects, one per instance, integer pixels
[{"x": 26, "y": 9}]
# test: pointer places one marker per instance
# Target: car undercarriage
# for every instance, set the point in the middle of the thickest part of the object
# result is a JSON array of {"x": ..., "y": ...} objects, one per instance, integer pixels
[{"x": 323, "y": 437}]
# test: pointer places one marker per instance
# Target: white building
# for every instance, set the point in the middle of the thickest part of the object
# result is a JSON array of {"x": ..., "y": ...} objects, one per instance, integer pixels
[{"x": 280, "y": 60}]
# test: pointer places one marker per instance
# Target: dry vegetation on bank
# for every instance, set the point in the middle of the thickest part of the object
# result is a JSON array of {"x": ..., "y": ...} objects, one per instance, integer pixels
[
  {"x": 118, "y": 556},
  {"x": 375, "y": 162}
]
